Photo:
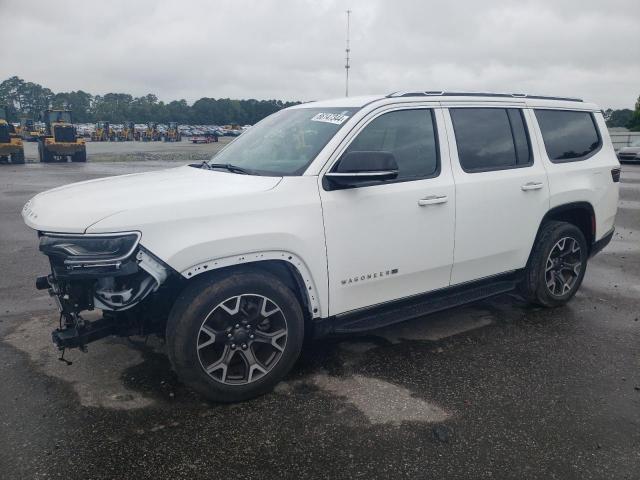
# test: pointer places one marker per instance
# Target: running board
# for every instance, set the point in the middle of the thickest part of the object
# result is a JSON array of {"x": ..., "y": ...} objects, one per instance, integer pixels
[{"x": 402, "y": 310}]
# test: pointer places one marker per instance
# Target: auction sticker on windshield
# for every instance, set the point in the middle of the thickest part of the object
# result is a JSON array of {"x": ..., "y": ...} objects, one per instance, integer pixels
[{"x": 335, "y": 118}]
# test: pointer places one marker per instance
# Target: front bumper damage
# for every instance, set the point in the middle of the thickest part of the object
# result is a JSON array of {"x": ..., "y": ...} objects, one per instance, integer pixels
[{"x": 134, "y": 292}]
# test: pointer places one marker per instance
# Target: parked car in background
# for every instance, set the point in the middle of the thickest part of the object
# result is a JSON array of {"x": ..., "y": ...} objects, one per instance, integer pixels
[
  {"x": 630, "y": 153},
  {"x": 335, "y": 216}
]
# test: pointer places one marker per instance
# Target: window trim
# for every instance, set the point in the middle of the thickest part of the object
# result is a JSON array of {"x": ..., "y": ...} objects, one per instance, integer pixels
[
  {"x": 575, "y": 159},
  {"x": 435, "y": 174},
  {"x": 513, "y": 139}
]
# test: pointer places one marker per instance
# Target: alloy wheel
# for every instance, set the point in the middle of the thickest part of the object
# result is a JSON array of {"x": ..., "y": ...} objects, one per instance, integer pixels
[
  {"x": 563, "y": 266},
  {"x": 242, "y": 339}
]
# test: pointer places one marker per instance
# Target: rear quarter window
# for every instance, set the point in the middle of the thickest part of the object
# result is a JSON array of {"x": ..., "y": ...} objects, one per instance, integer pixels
[{"x": 569, "y": 136}]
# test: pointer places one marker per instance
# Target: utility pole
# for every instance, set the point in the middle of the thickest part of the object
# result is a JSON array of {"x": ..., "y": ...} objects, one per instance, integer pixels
[{"x": 347, "y": 50}]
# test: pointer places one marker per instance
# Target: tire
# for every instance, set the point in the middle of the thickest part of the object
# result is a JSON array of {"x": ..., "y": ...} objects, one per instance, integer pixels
[
  {"x": 45, "y": 156},
  {"x": 80, "y": 156},
  {"x": 553, "y": 256},
  {"x": 219, "y": 304},
  {"x": 18, "y": 158}
]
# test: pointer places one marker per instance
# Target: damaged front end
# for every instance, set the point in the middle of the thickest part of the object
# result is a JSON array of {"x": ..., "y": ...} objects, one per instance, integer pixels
[{"x": 112, "y": 273}]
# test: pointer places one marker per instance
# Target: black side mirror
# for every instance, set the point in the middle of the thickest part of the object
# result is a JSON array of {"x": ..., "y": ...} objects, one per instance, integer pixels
[{"x": 358, "y": 168}]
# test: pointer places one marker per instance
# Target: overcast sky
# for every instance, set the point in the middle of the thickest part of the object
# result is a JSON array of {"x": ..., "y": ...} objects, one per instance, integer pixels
[{"x": 294, "y": 50}]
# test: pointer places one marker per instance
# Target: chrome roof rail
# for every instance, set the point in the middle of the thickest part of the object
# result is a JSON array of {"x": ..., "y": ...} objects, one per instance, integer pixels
[{"x": 441, "y": 93}]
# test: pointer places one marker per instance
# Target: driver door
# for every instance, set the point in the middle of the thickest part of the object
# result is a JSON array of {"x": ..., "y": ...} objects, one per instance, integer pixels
[{"x": 391, "y": 239}]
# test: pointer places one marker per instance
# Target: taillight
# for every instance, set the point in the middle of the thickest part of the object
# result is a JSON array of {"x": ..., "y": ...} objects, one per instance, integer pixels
[{"x": 615, "y": 174}]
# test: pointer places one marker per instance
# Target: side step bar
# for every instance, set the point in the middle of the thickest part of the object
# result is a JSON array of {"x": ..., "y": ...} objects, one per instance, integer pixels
[{"x": 399, "y": 311}]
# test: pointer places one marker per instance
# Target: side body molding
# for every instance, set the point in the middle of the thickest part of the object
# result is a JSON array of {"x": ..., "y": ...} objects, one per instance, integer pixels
[{"x": 291, "y": 258}]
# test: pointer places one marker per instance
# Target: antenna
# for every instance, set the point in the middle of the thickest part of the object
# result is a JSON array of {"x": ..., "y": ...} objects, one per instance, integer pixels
[{"x": 347, "y": 50}]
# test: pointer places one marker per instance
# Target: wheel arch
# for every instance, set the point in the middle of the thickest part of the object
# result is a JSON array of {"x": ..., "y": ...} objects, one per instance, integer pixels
[
  {"x": 288, "y": 267},
  {"x": 580, "y": 214}
]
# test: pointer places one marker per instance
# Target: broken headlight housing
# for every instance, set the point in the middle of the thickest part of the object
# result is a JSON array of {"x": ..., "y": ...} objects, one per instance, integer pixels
[{"x": 98, "y": 253}]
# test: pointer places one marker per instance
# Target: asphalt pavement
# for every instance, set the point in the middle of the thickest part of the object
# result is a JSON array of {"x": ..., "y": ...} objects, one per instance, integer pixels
[{"x": 498, "y": 389}]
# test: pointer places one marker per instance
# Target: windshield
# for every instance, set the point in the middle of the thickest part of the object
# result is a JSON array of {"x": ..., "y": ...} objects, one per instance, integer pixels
[
  {"x": 286, "y": 142},
  {"x": 60, "y": 117}
]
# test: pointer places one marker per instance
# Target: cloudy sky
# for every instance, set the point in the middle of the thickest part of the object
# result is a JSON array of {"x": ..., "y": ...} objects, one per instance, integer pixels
[{"x": 294, "y": 50}]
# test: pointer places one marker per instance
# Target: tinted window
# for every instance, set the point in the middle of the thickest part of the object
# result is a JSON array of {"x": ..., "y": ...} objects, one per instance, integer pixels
[
  {"x": 568, "y": 136},
  {"x": 490, "y": 138},
  {"x": 409, "y": 134}
]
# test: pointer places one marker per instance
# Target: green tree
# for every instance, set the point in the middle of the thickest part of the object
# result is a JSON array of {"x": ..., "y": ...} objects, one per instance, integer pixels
[
  {"x": 618, "y": 118},
  {"x": 634, "y": 122},
  {"x": 31, "y": 99}
]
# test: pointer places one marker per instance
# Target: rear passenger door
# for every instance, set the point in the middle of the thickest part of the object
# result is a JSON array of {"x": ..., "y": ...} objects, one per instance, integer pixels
[{"x": 502, "y": 191}]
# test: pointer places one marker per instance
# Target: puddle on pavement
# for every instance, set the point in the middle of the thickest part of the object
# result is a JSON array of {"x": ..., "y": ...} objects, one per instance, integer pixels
[
  {"x": 95, "y": 376},
  {"x": 379, "y": 401},
  {"x": 101, "y": 378}
]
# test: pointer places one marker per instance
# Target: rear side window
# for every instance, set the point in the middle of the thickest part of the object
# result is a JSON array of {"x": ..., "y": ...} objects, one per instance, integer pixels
[
  {"x": 410, "y": 135},
  {"x": 491, "y": 138},
  {"x": 568, "y": 136}
]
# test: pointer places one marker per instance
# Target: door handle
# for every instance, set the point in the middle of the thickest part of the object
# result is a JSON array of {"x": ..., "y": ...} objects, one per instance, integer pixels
[
  {"x": 532, "y": 186},
  {"x": 432, "y": 200}
]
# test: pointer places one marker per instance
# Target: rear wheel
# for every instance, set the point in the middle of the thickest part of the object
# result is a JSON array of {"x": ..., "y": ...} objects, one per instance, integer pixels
[
  {"x": 80, "y": 156},
  {"x": 234, "y": 337},
  {"x": 557, "y": 265}
]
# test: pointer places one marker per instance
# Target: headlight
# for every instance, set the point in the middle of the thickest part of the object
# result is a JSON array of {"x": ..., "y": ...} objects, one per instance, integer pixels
[{"x": 88, "y": 249}]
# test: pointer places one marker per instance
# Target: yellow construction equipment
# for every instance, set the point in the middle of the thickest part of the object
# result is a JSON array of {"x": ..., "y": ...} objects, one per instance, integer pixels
[
  {"x": 173, "y": 134},
  {"x": 151, "y": 134},
  {"x": 102, "y": 132},
  {"x": 11, "y": 147},
  {"x": 28, "y": 130},
  {"x": 127, "y": 133},
  {"x": 60, "y": 139}
]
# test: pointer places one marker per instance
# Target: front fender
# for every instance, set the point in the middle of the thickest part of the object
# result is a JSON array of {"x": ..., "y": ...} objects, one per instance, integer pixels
[{"x": 303, "y": 270}]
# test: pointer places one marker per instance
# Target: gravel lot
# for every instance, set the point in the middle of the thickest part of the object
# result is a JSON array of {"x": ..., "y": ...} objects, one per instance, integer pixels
[
  {"x": 494, "y": 390},
  {"x": 137, "y": 151}
]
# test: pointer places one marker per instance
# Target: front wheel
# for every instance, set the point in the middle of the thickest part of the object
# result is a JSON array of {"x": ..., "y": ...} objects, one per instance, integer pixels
[
  {"x": 18, "y": 158},
  {"x": 557, "y": 265},
  {"x": 235, "y": 336}
]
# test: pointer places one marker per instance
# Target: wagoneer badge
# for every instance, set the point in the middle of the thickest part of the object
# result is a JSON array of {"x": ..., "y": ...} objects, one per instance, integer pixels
[{"x": 369, "y": 276}]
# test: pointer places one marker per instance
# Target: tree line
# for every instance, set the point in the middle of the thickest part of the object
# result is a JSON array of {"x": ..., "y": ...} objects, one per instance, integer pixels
[
  {"x": 624, "y": 117},
  {"x": 31, "y": 99}
]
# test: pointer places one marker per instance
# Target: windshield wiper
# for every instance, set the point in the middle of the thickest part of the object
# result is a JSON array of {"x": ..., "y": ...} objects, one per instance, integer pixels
[{"x": 229, "y": 167}]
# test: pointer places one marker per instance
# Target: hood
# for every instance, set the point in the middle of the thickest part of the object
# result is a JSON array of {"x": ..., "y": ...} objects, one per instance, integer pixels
[{"x": 74, "y": 208}]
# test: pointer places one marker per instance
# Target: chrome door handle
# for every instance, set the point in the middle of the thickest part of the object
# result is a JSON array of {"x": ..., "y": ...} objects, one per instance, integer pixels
[
  {"x": 532, "y": 186},
  {"x": 432, "y": 200}
]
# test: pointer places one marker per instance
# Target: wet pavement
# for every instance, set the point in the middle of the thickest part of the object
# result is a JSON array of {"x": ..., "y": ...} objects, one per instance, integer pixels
[{"x": 498, "y": 389}]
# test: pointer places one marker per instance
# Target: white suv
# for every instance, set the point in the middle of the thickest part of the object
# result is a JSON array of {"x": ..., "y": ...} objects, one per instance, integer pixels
[{"x": 334, "y": 216}]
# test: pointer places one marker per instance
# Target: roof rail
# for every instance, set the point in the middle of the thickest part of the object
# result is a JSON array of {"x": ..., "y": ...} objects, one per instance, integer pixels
[{"x": 432, "y": 93}]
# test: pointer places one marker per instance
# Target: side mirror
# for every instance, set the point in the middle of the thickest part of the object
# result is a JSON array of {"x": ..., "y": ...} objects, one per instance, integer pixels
[{"x": 357, "y": 168}]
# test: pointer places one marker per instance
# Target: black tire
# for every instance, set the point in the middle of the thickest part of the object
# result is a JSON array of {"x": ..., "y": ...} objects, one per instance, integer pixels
[
  {"x": 199, "y": 301},
  {"x": 45, "y": 156},
  {"x": 535, "y": 287},
  {"x": 18, "y": 158},
  {"x": 80, "y": 156}
]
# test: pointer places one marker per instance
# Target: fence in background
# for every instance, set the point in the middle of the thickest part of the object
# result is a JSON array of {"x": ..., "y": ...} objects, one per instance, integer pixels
[{"x": 623, "y": 139}]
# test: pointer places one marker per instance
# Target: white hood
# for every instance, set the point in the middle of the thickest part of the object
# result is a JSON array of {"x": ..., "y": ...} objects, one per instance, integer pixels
[{"x": 74, "y": 208}]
